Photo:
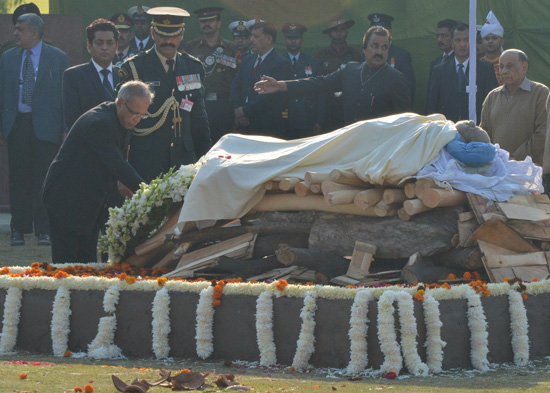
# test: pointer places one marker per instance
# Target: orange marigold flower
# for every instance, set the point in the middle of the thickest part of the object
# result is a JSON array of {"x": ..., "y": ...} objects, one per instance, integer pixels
[
  {"x": 185, "y": 370},
  {"x": 451, "y": 277},
  {"x": 61, "y": 275},
  {"x": 130, "y": 280},
  {"x": 281, "y": 285},
  {"x": 88, "y": 388},
  {"x": 78, "y": 389},
  {"x": 161, "y": 281},
  {"x": 125, "y": 266},
  {"x": 122, "y": 276},
  {"x": 524, "y": 296},
  {"x": 216, "y": 302},
  {"x": 4, "y": 270},
  {"x": 23, "y": 376},
  {"x": 35, "y": 265},
  {"x": 67, "y": 354},
  {"x": 475, "y": 275},
  {"x": 506, "y": 279},
  {"x": 467, "y": 275},
  {"x": 419, "y": 296},
  {"x": 446, "y": 285}
]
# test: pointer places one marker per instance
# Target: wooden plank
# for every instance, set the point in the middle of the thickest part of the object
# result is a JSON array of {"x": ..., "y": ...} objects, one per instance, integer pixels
[
  {"x": 466, "y": 216},
  {"x": 361, "y": 260},
  {"x": 344, "y": 281},
  {"x": 465, "y": 229},
  {"x": 519, "y": 260},
  {"x": 500, "y": 234},
  {"x": 531, "y": 230},
  {"x": 519, "y": 212},
  {"x": 530, "y": 273},
  {"x": 274, "y": 274},
  {"x": 528, "y": 199},
  {"x": 499, "y": 274},
  {"x": 488, "y": 271},
  {"x": 480, "y": 206},
  {"x": 491, "y": 249}
]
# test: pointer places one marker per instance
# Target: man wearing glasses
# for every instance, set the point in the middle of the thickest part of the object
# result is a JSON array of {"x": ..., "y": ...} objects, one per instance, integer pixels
[{"x": 80, "y": 176}]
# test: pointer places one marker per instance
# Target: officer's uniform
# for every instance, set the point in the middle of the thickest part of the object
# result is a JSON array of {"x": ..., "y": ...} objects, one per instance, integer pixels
[
  {"x": 302, "y": 112},
  {"x": 123, "y": 22},
  {"x": 140, "y": 12},
  {"x": 220, "y": 65},
  {"x": 176, "y": 130},
  {"x": 239, "y": 29}
]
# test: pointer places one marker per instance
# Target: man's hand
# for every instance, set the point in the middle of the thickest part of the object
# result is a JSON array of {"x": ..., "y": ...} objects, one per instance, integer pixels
[
  {"x": 243, "y": 121},
  {"x": 269, "y": 85},
  {"x": 239, "y": 112},
  {"x": 123, "y": 190}
]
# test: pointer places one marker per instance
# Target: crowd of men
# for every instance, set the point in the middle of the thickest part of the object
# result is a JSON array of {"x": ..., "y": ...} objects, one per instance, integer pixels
[{"x": 206, "y": 87}]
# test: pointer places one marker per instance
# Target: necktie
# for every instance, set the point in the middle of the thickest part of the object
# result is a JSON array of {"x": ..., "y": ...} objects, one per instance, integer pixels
[
  {"x": 107, "y": 85},
  {"x": 29, "y": 79},
  {"x": 257, "y": 65},
  {"x": 294, "y": 61},
  {"x": 170, "y": 63},
  {"x": 141, "y": 46},
  {"x": 461, "y": 78}
]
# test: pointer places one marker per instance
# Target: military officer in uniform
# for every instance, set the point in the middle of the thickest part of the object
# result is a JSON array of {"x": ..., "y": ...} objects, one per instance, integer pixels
[
  {"x": 398, "y": 58},
  {"x": 304, "y": 115},
  {"x": 241, "y": 38},
  {"x": 219, "y": 58},
  {"x": 334, "y": 58},
  {"x": 142, "y": 28},
  {"x": 175, "y": 130},
  {"x": 370, "y": 89},
  {"x": 124, "y": 24}
]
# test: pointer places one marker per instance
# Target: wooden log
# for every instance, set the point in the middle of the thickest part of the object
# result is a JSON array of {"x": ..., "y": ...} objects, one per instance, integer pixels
[
  {"x": 393, "y": 195},
  {"x": 172, "y": 258},
  {"x": 301, "y": 189},
  {"x": 429, "y": 233},
  {"x": 289, "y": 183},
  {"x": 271, "y": 227},
  {"x": 268, "y": 244},
  {"x": 415, "y": 206},
  {"x": 361, "y": 260},
  {"x": 247, "y": 267},
  {"x": 296, "y": 217},
  {"x": 151, "y": 258},
  {"x": 434, "y": 197},
  {"x": 462, "y": 258},
  {"x": 211, "y": 234},
  {"x": 315, "y": 188},
  {"x": 321, "y": 262},
  {"x": 402, "y": 214},
  {"x": 329, "y": 186},
  {"x": 409, "y": 190},
  {"x": 315, "y": 177},
  {"x": 344, "y": 197},
  {"x": 290, "y": 202},
  {"x": 383, "y": 210},
  {"x": 368, "y": 199},
  {"x": 346, "y": 177},
  {"x": 421, "y": 269},
  {"x": 271, "y": 185},
  {"x": 500, "y": 234},
  {"x": 422, "y": 185}
]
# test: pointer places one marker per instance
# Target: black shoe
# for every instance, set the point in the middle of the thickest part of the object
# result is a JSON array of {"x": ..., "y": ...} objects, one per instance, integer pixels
[
  {"x": 44, "y": 240},
  {"x": 17, "y": 239}
]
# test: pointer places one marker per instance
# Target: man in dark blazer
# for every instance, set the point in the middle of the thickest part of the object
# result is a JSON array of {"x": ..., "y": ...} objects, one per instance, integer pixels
[
  {"x": 79, "y": 178},
  {"x": 444, "y": 42},
  {"x": 305, "y": 115},
  {"x": 448, "y": 90},
  {"x": 255, "y": 114},
  {"x": 370, "y": 89},
  {"x": 176, "y": 131},
  {"x": 31, "y": 122},
  {"x": 88, "y": 85}
]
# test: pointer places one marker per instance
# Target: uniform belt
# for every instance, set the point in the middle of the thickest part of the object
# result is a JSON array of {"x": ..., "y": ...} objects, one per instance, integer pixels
[{"x": 215, "y": 96}]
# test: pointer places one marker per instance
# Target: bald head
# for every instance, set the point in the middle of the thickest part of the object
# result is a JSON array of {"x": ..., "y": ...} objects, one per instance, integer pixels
[{"x": 514, "y": 65}]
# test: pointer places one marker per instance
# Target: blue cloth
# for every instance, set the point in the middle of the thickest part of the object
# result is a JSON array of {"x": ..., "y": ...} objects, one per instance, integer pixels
[
  {"x": 474, "y": 154},
  {"x": 35, "y": 57}
]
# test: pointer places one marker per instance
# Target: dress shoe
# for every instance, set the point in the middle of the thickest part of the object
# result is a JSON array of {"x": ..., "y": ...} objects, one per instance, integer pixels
[
  {"x": 17, "y": 239},
  {"x": 44, "y": 240}
]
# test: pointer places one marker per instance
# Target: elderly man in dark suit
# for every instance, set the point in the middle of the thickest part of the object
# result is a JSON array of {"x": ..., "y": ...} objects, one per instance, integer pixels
[
  {"x": 88, "y": 85},
  {"x": 79, "y": 178},
  {"x": 255, "y": 114},
  {"x": 31, "y": 122},
  {"x": 448, "y": 90}
]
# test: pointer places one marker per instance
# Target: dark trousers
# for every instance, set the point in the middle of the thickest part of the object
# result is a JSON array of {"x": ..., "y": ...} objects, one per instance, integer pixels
[
  {"x": 69, "y": 246},
  {"x": 28, "y": 160},
  {"x": 220, "y": 117}
]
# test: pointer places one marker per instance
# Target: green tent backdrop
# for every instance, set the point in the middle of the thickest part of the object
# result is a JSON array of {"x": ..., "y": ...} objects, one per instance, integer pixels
[{"x": 414, "y": 28}]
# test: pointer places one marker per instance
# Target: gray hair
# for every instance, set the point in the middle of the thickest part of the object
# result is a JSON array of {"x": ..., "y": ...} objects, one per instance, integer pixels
[
  {"x": 133, "y": 89},
  {"x": 33, "y": 21}
]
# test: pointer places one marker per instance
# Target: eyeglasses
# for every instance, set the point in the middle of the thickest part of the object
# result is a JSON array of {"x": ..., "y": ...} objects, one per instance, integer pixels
[{"x": 135, "y": 114}]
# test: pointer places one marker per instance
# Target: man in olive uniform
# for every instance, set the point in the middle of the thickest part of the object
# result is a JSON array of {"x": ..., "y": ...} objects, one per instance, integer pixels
[
  {"x": 142, "y": 28},
  {"x": 304, "y": 114},
  {"x": 124, "y": 24},
  {"x": 219, "y": 58},
  {"x": 241, "y": 38},
  {"x": 369, "y": 90},
  {"x": 398, "y": 58},
  {"x": 175, "y": 131},
  {"x": 335, "y": 57}
]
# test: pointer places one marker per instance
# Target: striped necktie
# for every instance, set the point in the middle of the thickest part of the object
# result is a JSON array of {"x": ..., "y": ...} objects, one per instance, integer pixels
[{"x": 29, "y": 79}]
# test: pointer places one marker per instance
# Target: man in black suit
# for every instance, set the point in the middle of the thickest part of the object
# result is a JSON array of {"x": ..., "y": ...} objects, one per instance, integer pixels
[
  {"x": 255, "y": 114},
  {"x": 304, "y": 114},
  {"x": 31, "y": 123},
  {"x": 88, "y": 85},
  {"x": 444, "y": 42},
  {"x": 448, "y": 90},
  {"x": 78, "y": 179},
  {"x": 370, "y": 89},
  {"x": 176, "y": 130}
]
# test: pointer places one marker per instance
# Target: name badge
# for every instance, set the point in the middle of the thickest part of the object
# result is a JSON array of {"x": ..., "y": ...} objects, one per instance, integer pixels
[
  {"x": 186, "y": 105},
  {"x": 153, "y": 83},
  {"x": 308, "y": 71}
]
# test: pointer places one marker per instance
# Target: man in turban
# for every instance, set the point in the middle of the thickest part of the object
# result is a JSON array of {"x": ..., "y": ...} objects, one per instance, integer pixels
[{"x": 492, "y": 34}]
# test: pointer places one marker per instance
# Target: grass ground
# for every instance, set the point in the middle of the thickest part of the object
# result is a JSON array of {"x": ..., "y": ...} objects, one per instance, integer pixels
[
  {"x": 22, "y": 255},
  {"x": 46, "y": 374}
]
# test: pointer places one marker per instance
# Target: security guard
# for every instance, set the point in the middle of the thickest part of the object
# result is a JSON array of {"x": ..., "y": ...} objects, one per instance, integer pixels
[
  {"x": 175, "y": 130},
  {"x": 124, "y": 25},
  {"x": 142, "y": 28},
  {"x": 220, "y": 64},
  {"x": 304, "y": 115},
  {"x": 241, "y": 38}
]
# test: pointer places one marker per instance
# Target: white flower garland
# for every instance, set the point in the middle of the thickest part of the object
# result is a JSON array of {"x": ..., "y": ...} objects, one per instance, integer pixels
[
  {"x": 358, "y": 332},
  {"x": 478, "y": 331},
  {"x": 393, "y": 361},
  {"x": 61, "y": 326},
  {"x": 161, "y": 324},
  {"x": 10, "y": 323},
  {"x": 306, "y": 341},
  {"x": 409, "y": 330},
  {"x": 264, "y": 329},
  {"x": 434, "y": 344},
  {"x": 519, "y": 327},
  {"x": 205, "y": 320},
  {"x": 102, "y": 346},
  {"x": 110, "y": 299}
]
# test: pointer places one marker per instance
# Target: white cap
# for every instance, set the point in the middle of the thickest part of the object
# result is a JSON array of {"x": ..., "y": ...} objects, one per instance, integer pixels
[
  {"x": 492, "y": 26},
  {"x": 252, "y": 22}
]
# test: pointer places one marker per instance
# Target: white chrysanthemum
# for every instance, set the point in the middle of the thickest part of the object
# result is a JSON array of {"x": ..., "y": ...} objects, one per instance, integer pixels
[
  {"x": 306, "y": 341},
  {"x": 10, "y": 323},
  {"x": 161, "y": 324},
  {"x": 61, "y": 327},
  {"x": 519, "y": 327},
  {"x": 358, "y": 332},
  {"x": 264, "y": 329},
  {"x": 205, "y": 319}
]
